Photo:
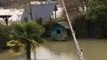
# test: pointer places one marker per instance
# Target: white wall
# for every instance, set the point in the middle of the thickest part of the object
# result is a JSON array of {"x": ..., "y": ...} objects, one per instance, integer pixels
[{"x": 16, "y": 14}]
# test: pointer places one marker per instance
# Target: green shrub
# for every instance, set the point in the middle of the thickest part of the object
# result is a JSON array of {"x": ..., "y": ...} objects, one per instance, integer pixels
[{"x": 4, "y": 36}]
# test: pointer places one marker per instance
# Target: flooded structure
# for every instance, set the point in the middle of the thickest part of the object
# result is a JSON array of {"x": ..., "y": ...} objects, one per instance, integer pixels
[{"x": 59, "y": 31}]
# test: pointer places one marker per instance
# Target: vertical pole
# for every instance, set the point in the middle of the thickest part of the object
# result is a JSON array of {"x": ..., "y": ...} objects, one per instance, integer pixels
[
  {"x": 30, "y": 7},
  {"x": 6, "y": 20},
  {"x": 79, "y": 52},
  {"x": 55, "y": 14},
  {"x": 55, "y": 10}
]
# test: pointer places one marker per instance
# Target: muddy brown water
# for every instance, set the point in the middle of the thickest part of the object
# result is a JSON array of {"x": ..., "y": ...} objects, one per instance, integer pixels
[{"x": 92, "y": 50}]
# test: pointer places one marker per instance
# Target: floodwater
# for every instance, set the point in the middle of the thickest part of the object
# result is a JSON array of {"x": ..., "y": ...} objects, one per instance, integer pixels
[{"x": 65, "y": 50}]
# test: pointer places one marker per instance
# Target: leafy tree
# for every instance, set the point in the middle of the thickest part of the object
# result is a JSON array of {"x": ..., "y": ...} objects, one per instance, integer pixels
[
  {"x": 27, "y": 33},
  {"x": 97, "y": 12}
]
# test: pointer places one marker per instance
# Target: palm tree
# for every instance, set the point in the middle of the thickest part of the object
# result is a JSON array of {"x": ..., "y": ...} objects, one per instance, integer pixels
[{"x": 27, "y": 33}]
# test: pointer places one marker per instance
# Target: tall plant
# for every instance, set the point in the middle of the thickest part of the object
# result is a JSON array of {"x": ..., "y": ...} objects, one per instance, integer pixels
[{"x": 27, "y": 33}]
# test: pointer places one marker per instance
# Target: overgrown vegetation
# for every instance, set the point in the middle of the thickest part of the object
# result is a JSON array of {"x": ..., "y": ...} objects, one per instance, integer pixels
[
  {"x": 4, "y": 36},
  {"x": 95, "y": 19},
  {"x": 97, "y": 13}
]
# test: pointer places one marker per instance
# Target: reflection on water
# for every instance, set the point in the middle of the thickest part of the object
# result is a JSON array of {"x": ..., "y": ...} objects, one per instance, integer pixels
[
  {"x": 54, "y": 51},
  {"x": 45, "y": 54},
  {"x": 93, "y": 50}
]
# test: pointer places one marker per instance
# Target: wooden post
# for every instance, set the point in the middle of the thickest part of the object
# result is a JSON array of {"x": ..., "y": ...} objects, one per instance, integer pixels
[
  {"x": 79, "y": 51},
  {"x": 6, "y": 18}
]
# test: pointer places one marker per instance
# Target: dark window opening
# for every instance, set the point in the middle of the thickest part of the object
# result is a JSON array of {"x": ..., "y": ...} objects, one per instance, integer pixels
[
  {"x": 25, "y": 19},
  {"x": 58, "y": 31},
  {"x": 39, "y": 21}
]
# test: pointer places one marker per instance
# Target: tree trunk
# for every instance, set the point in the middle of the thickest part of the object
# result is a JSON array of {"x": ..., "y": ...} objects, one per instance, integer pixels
[
  {"x": 34, "y": 54},
  {"x": 55, "y": 14},
  {"x": 30, "y": 7},
  {"x": 28, "y": 50},
  {"x": 6, "y": 22}
]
